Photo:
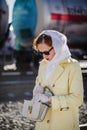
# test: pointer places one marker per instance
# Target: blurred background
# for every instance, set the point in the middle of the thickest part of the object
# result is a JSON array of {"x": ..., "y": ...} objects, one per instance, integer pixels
[{"x": 20, "y": 22}]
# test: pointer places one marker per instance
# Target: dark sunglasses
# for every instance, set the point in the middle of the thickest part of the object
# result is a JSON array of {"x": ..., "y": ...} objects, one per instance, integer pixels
[{"x": 45, "y": 52}]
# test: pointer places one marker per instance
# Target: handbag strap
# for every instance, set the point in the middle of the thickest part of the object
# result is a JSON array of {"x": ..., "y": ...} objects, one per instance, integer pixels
[{"x": 49, "y": 90}]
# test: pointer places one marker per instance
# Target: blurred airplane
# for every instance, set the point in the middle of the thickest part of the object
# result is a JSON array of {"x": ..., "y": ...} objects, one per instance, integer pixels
[{"x": 30, "y": 17}]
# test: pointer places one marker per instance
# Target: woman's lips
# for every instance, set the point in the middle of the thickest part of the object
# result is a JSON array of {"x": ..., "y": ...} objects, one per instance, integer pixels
[{"x": 47, "y": 58}]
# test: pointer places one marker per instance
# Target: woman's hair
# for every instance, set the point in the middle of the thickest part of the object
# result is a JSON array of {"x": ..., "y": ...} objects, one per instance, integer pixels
[{"x": 42, "y": 38}]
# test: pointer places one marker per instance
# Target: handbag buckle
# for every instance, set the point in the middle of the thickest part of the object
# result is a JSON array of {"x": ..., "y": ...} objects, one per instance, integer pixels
[{"x": 30, "y": 109}]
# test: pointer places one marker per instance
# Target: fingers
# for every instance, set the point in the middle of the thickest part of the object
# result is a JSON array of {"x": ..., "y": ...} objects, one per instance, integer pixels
[
  {"x": 38, "y": 90},
  {"x": 41, "y": 97}
]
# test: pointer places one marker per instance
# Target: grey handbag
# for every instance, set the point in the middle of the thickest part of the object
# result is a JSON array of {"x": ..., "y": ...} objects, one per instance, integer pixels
[{"x": 35, "y": 111}]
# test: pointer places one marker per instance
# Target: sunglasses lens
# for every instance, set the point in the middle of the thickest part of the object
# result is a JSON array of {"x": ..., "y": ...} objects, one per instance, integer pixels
[{"x": 46, "y": 53}]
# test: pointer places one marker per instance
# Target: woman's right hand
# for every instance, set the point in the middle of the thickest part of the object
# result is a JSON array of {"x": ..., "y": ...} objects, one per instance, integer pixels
[{"x": 38, "y": 90}]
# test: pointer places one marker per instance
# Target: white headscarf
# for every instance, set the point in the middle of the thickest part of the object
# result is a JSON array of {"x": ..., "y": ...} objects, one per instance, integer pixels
[{"x": 59, "y": 42}]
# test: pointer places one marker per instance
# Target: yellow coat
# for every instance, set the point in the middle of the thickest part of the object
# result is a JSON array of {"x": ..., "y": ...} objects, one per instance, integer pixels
[{"x": 67, "y": 85}]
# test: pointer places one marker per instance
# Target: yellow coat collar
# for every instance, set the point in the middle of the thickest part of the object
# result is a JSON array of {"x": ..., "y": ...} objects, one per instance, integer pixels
[{"x": 59, "y": 69}]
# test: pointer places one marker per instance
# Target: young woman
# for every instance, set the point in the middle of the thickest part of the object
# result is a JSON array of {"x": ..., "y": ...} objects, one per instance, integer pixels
[{"x": 63, "y": 76}]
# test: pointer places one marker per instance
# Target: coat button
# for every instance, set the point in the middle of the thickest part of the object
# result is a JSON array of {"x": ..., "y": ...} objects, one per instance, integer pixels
[
  {"x": 39, "y": 84},
  {"x": 48, "y": 121},
  {"x": 53, "y": 85}
]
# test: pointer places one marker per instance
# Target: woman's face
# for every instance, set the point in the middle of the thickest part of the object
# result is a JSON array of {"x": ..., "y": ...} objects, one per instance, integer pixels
[{"x": 48, "y": 52}]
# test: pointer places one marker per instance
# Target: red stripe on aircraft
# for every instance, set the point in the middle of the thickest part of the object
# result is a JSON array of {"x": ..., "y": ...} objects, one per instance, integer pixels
[{"x": 69, "y": 17}]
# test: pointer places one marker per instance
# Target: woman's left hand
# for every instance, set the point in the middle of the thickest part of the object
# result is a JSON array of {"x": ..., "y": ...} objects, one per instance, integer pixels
[
  {"x": 41, "y": 97},
  {"x": 38, "y": 90}
]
